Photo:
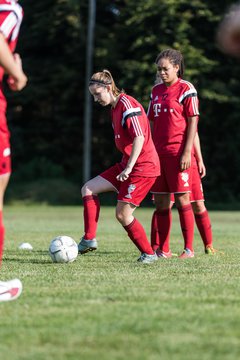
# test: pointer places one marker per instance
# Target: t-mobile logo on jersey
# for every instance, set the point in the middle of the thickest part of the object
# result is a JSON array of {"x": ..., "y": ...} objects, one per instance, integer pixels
[
  {"x": 117, "y": 136},
  {"x": 157, "y": 109}
]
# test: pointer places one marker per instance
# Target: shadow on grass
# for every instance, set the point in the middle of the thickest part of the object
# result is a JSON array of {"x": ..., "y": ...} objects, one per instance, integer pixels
[{"x": 26, "y": 256}]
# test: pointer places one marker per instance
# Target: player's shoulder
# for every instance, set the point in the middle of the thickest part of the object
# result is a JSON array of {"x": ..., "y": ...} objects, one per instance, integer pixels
[
  {"x": 8, "y": 2},
  {"x": 158, "y": 86},
  {"x": 128, "y": 101},
  {"x": 157, "y": 89},
  {"x": 10, "y": 5},
  {"x": 187, "y": 85}
]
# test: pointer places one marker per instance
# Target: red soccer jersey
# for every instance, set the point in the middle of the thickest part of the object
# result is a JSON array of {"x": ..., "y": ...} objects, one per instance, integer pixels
[
  {"x": 11, "y": 15},
  {"x": 169, "y": 109},
  {"x": 130, "y": 120}
]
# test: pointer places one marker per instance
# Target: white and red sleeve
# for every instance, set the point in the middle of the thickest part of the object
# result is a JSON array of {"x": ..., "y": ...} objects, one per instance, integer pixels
[
  {"x": 11, "y": 15},
  {"x": 132, "y": 117},
  {"x": 189, "y": 99}
]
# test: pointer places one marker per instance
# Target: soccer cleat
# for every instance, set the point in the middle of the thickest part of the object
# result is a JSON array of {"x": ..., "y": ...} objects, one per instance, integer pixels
[
  {"x": 164, "y": 254},
  {"x": 10, "y": 290},
  {"x": 87, "y": 245},
  {"x": 147, "y": 258},
  {"x": 209, "y": 250},
  {"x": 187, "y": 253}
]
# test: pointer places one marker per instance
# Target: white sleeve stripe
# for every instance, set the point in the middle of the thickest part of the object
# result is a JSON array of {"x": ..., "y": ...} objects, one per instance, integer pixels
[
  {"x": 126, "y": 102},
  {"x": 8, "y": 24},
  {"x": 13, "y": 21},
  {"x": 131, "y": 110},
  {"x": 135, "y": 121},
  {"x": 136, "y": 126},
  {"x": 192, "y": 91},
  {"x": 16, "y": 31},
  {"x": 16, "y": 8},
  {"x": 195, "y": 106},
  {"x": 187, "y": 82}
]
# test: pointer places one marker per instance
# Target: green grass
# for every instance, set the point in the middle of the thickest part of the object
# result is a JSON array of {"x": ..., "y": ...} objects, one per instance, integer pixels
[{"x": 105, "y": 305}]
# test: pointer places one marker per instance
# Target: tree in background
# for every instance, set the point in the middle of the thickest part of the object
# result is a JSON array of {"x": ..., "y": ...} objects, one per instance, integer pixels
[{"x": 46, "y": 119}]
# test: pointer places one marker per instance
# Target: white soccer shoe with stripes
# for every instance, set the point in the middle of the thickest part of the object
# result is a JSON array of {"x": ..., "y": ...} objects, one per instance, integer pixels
[{"x": 10, "y": 290}]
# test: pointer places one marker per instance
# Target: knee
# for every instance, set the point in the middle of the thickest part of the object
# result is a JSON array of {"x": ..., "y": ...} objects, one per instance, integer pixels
[
  {"x": 182, "y": 200},
  {"x": 198, "y": 207},
  {"x": 163, "y": 203},
  {"x": 86, "y": 189},
  {"x": 120, "y": 216}
]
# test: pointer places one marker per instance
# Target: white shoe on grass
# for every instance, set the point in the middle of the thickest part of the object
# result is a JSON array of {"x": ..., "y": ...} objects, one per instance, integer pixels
[
  {"x": 10, "y": 290},
  {"x": 87, "y": 245},
  {"x": 147, "y": 258}
]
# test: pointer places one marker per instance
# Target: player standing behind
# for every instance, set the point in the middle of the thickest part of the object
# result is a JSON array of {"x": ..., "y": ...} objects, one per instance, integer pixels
[
  {"x": 10, "y": 20},
  {"x": 133, "y": 177},
  {"x": 173, "y": 109},
  {"x": 201, "y": 214}
]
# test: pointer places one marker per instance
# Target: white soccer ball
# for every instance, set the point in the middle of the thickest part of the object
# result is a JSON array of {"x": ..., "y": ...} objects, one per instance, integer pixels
[{"x": 63, "y": 249}]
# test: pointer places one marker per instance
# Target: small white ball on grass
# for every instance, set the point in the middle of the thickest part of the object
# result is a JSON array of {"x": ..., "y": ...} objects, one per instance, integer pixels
[{"x": 25, "y": 246}]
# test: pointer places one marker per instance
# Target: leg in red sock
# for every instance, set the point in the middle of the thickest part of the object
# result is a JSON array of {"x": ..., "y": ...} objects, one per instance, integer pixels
[
  {"x": 155, "y": 242},
  {"x": 91, "y": 215},
  {"x": 187, "y": 224},
  {"x": 164, "y": 221},
  {"x": 204, "y": 227},
  {"x": 1, "y": 236},
  {"x": 138, "y": 236}
]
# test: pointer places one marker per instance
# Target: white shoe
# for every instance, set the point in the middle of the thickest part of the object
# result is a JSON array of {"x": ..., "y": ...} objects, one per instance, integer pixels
[
  {"x": 147, "y": 258},
  {"x": 87, "y": 245},
  {"x": 10, "y": 290}
]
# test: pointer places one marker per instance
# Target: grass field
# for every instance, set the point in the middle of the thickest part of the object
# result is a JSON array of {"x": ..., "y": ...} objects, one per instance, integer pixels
[{"x": 106, "y": 306}]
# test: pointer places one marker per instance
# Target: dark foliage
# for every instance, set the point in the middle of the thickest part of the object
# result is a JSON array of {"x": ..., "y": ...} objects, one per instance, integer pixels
[{"x": 46, "y": 119}]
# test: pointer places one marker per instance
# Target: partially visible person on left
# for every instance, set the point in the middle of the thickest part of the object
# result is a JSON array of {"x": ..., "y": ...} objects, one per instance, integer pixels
[{"x": 11, "y": 14}]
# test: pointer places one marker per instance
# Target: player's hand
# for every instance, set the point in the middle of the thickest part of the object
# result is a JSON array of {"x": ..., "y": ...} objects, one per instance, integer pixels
[
  {"x": 19, "y": 81},
  {"x": 201, "y": 169},
  {"x": 185, "y": 161},
  {"x": 124, "y": 175}
]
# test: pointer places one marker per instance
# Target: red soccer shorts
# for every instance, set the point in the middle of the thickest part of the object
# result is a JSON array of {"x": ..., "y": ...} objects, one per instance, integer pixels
[
  {"x": 5, "y": 156},
  {"x": 172, "y": 180},
  {"x": 197, "y": 189},
  {"x": 133, "y": 190}
]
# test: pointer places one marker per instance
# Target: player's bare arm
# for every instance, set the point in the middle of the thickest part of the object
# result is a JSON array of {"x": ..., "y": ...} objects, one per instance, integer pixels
[
  {"x": 198, "y": 155},
  {"x": 12, "y": 65},
  {"x": 185, "y": 161},
  {"x": 136, "y": 150}
]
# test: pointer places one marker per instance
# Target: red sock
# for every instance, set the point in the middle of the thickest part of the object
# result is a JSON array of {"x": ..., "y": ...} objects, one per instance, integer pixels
[
  {"x": 160, "y": 230},
  {"x": 187, "y": 224},
  {"x": 155, "y": 242},
  {"x": 1, "y": 236},
  {"x": 138, "y": 236},
  {"x": 91, "y": 214},
  {"x": 204, "y": 227}
]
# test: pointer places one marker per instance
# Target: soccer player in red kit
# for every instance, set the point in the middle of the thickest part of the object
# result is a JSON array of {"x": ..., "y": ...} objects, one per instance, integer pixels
[
  {"x": 133, "y": 177},
  {"x": 173, "y": 110},
  {"x": 201, "y": 215},
  {"x": 11, "y": 14}
]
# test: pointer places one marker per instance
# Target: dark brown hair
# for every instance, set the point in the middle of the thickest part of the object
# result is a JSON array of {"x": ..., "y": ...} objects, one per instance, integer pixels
[{"x": 175, "y": 57}]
